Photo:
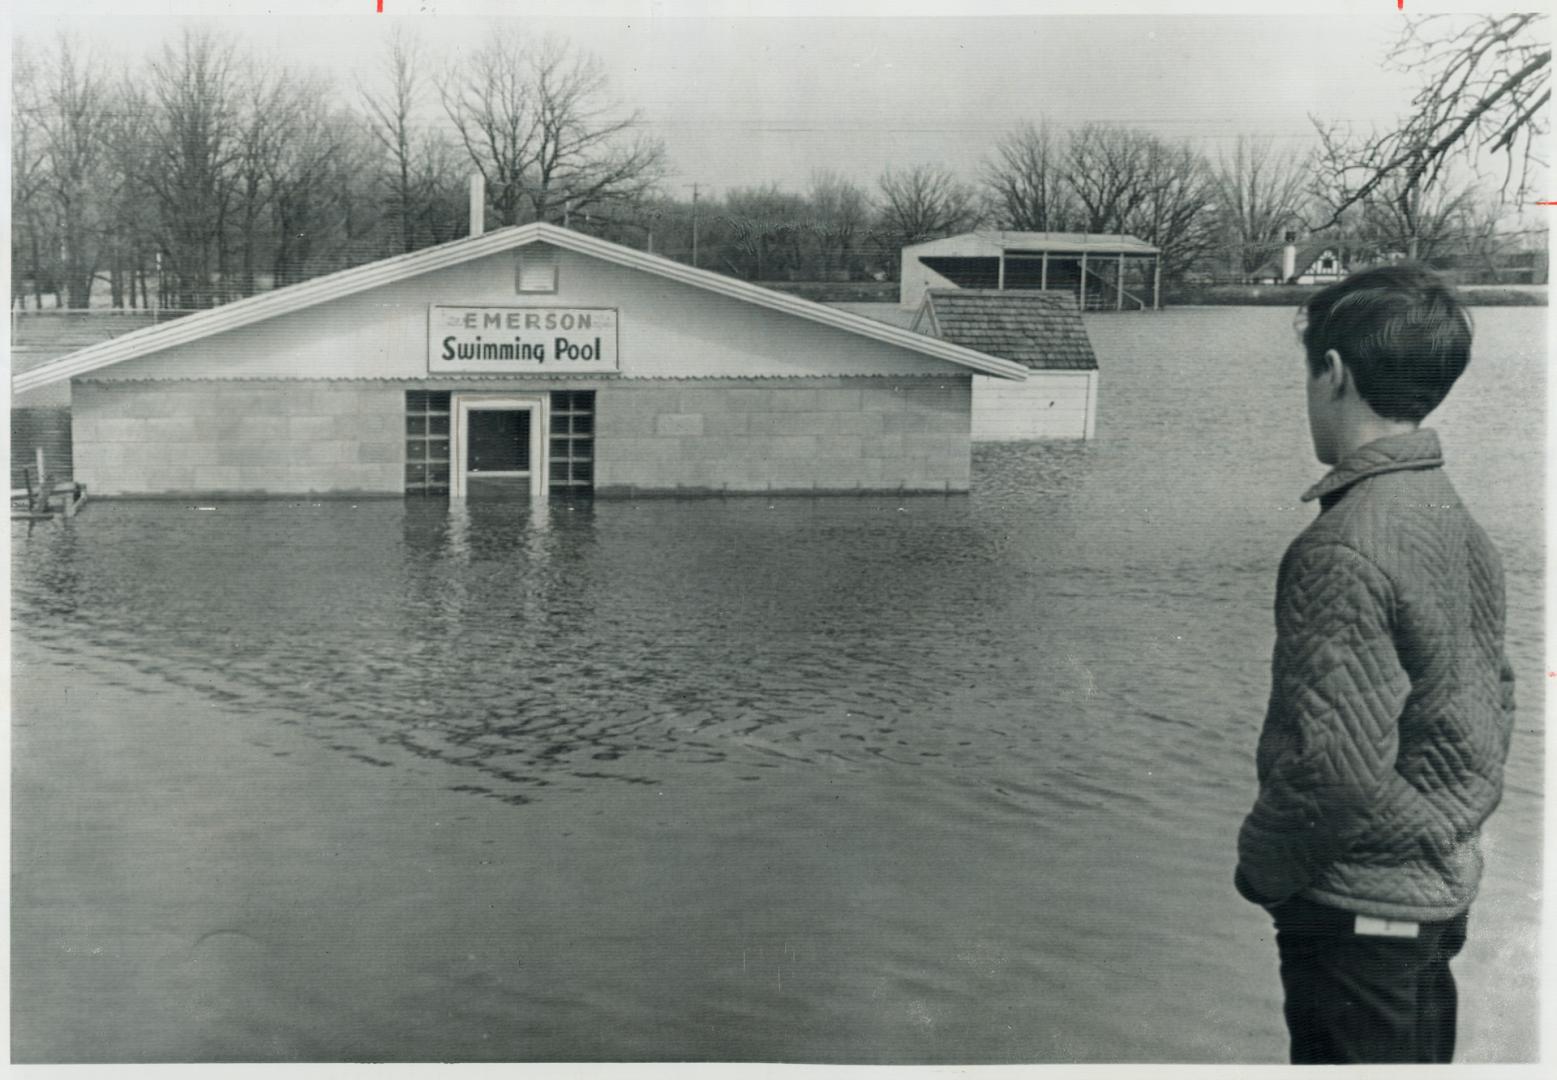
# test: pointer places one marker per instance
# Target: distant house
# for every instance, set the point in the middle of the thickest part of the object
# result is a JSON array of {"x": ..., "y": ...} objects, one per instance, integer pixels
[{"x": 1318, "y": 262}]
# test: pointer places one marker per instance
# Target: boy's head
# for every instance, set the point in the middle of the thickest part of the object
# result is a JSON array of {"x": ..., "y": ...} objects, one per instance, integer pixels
[{"x": 1400, "y": 333}]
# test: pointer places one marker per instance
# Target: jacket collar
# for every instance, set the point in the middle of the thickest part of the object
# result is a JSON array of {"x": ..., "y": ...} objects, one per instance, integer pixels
[{"x": 1413, "y": 450}]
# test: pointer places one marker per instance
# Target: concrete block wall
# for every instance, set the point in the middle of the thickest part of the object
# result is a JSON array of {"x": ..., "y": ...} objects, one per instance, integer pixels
[
  {"x": 784, "y": 436},
  {"x": 1049, "y": 405},
  {"x": 256, "y": 438},
  {"x": 239, "y": 438}
]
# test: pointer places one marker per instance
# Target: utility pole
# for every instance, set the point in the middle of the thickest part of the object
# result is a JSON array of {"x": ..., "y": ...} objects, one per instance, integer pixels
[{"x": 694, "y": 225}]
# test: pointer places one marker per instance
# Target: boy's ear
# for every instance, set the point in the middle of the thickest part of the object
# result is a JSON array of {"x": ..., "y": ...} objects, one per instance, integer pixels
[{"x": 1335, "y": 373}]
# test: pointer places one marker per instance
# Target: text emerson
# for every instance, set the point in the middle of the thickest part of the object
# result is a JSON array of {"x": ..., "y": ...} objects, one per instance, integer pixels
[
  {"x": 528, "y": 320},
  {"x": 518, "y": 349}
]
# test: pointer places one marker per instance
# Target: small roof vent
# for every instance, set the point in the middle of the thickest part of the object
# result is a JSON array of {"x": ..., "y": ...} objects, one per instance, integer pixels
[{"x": 537, "y": 268}]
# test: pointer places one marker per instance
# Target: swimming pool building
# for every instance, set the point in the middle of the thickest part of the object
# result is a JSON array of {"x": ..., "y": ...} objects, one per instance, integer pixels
[{"x": 530, "y": 359}]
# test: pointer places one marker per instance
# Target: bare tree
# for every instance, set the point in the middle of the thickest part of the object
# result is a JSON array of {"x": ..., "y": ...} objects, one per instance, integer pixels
[
  {"x": 439, "y": 183},
  {"x": 315, "y": 201},
  {"x": 189, "y": 169},
  {"x": 28, "y": 173},
  {"x": 1126, "y": 180},
  {"x": 1175, "y": 207},
  {"x": 1106, "y": 169},
  {"x": 840, "y": 214},
  {"x": 761, "y": 232},
  {"x": 71, "y": 105},
  {"x": 1334, "y": 177},
  {"x": 923, "y": 202},
  {"x": 1483, "y": 245},
  {"x": 1390, "y": 214},
  {"x": 489, "y": 100},
  {"x": 1260, "y": 194},
  {"x": 132, "y": 235},
  {"x": 268, "y": 106},
  {"x": 411, "y": 160},
  {"x": 1486, "y": 85},
  {"x": 536, "y": 123},
  {"x": 1026, "y": 181},
  {"x": 584, "y": 157},
  {"x": 1421, "y": 224}
]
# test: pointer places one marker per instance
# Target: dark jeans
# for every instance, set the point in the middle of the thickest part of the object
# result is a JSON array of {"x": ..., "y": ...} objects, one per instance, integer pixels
[{"x": 1354, "y": 998}]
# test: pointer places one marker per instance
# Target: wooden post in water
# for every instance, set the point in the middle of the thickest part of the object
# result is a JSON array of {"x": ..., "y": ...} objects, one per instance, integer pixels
[
  {"x": 39, "y": 504},
  {"x": 1081, "y": 299},
  {"x": 1043, "y": 274},
  {"x": 1119, "y": 285}
]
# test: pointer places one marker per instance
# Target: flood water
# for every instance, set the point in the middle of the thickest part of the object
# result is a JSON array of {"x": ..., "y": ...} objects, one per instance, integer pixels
[{"x": 934, "y": 779}]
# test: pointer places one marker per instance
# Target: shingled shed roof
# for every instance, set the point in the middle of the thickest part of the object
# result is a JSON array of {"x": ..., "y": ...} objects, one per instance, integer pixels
[{"x": 1041, "y": 330}]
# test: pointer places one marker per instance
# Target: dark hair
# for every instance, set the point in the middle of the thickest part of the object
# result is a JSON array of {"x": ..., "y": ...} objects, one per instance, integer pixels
[{"x": 1399, "y": 330}]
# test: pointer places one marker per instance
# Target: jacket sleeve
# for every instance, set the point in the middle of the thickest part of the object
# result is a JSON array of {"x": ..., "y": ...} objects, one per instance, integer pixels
[{"x": 1328, "y": 749}]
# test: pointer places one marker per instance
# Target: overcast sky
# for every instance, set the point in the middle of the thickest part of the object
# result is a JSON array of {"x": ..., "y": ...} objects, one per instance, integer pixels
[{"x": 741, "y": 101}]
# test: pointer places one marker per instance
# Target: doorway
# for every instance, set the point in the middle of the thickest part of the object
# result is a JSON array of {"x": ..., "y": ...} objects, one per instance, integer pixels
[{"x": 499, "y": 447}]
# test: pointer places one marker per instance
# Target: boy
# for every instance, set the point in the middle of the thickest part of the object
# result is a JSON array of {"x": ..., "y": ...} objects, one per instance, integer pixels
[{"x": 1391, "y": 699}]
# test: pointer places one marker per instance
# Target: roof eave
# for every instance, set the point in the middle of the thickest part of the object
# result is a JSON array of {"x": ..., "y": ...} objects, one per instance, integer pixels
[
  {"x": 271, "y": 304},
  {"x": 398, "y": 268}
]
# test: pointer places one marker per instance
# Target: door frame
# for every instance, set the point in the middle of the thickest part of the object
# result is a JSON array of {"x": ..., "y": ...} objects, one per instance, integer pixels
[{"x": 461, "y": 405}]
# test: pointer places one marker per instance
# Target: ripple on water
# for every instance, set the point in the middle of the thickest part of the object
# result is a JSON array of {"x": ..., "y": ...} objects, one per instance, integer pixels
[{"x": 1049, "y": 687}]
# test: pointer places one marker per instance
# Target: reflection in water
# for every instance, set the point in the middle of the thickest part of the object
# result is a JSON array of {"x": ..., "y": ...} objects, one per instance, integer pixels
[
  {"x": 1115, "y": 587},
  {"x": 575, "y": 643},
  {"x": 496, "y": 527},
  {"x": 537, "y": 644},
  {"x": 543, "y": 642}
]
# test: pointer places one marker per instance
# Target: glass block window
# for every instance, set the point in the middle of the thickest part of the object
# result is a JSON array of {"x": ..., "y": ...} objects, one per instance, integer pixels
[
  {"x": 572, "y": 449},
  {"x": 427, "y": 442}
]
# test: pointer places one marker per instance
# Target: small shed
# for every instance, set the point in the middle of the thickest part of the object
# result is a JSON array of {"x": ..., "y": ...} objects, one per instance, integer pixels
[
  {"x": 1044, "y": 333},
  {"x": 1104, "y": 272}
]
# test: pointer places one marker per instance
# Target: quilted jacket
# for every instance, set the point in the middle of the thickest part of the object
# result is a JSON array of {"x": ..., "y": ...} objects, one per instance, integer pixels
[{"x": 1391, "y": 701}]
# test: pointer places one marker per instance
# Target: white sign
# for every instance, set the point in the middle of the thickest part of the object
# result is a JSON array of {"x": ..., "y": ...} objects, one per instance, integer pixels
[{"x": 526, "y": 341}]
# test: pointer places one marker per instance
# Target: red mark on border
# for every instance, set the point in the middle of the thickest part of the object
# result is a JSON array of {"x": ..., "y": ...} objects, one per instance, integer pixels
[
  {"x": 1547, "y": 202},
  {"x": 381, "y": 6}
]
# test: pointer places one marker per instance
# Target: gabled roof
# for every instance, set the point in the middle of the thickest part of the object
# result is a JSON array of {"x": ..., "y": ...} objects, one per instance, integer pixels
[
  {"x": 992, "y": 242},
  {"x": 1041, "y": 330},
  {"x": 1307, "y": 255},
  {"x": 345, "y": 283}
]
